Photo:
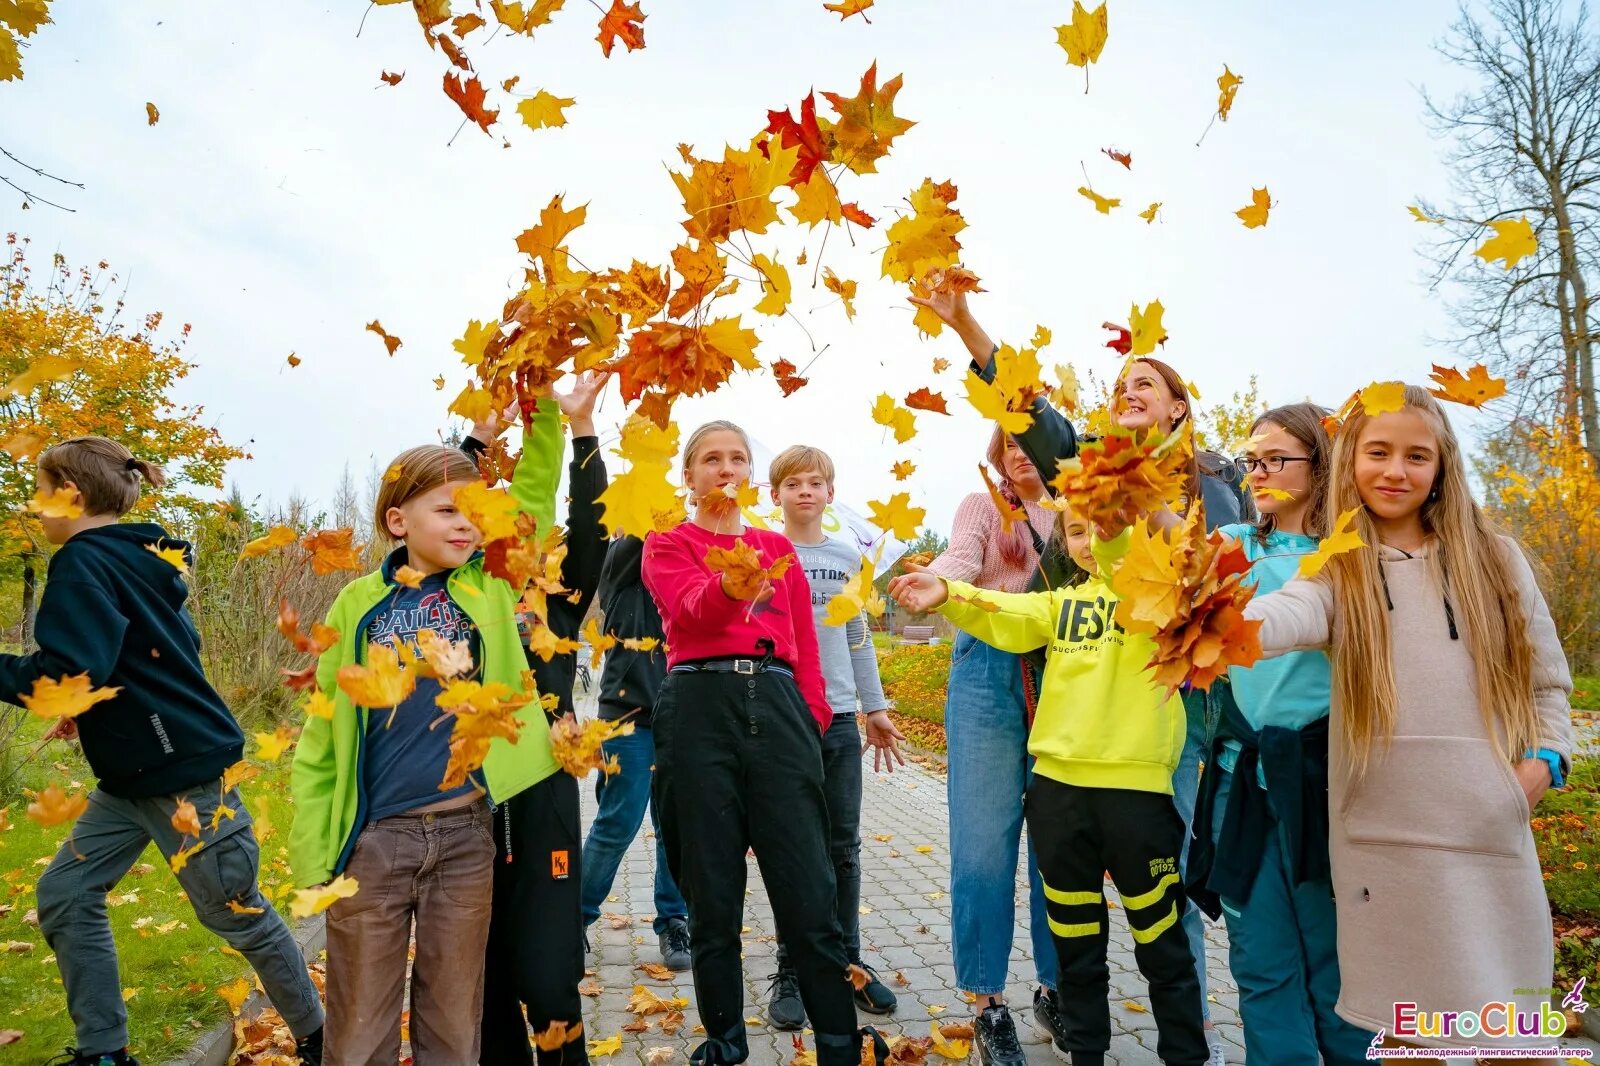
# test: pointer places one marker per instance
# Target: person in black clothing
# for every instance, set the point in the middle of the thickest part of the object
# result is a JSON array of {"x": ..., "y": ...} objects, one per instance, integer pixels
[
  {"x": 157, "y": 736},
  {"x": 629, "y": 684},
  {"x": 534, "y": 961}
]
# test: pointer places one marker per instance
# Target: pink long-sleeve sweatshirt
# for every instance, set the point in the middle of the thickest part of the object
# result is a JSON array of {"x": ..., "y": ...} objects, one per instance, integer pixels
[{"x": 702, "y": 622}]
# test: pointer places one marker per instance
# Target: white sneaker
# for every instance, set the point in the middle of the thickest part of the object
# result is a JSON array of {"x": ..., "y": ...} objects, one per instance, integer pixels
[{"x": 1218, "y": 1055}]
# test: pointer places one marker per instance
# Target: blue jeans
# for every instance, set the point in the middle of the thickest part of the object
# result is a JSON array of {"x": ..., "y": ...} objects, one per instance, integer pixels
[
  {"x": 623, "y": 797},
  {"x": 1185, "y": 790},
  {"x": 986, "y": 731}
]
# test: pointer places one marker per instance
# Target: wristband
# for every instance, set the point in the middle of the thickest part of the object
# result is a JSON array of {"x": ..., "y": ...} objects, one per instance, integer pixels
[{"x": 1553, "y": 758}]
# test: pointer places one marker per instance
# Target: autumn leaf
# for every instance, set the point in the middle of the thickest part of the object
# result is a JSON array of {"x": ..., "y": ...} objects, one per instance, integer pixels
[
  {"x": 1146, "y": 581},
  {"x": 845, "y": 290},
  {"x": 1149, "y": 213},
  {"x": 1113, "y": 481},
  {"x": 1382, "y": 397},
  {"x": 557, "y": 1035},
  {"x": 544, "y": 109},
  {"x": 1083, "y": 38},
  {"x": 309, "y": 901},
  {"x": 469, "y": 97},
  {"x": 152, "y": 114},
  {"x": 389, "y": 341},
  {"x": 1255, "y": 213},
  {"x": 903, "y": 469},
  {"x": 391, "y": 79},
  {"x": 774, "y": 279},
  {"x": 743, "y": 575},
  {"x": 1343, "y": 538},
  {"x": 544, "y": 242},
  {"x": 1010, "y": 513},
  {"x": 857, "y": 595},
  {"x": 819, "y": 201},
  {"x": 50, "y": 806},
  {"x": 803, "y": 135},
  {"x": 644, "y": 1002},
  {"x": 491, "y": 511},
  {"x": 943, "y": 280},
  {"x": 853, "y": 213},
  {"x": 275, "y": 538},
  {"x": 66, "y": 698},
  {"x": 380, "y": 682},
  {"x": 514, "y": 18},
  {"x": 643, "y": 499},
  {"x": 181, "y": 857},
  {"x": 1125, "y": 158},
  {"x": 956, "y": 1050},
  {"x": 185, "y": 819},
  {"x": 1065, "y": 395},
  {"x": 408, "y": 576},
  {"x": 623, "y": 22},
  {"x": 22, "y": 445},
  {"x": 270, "y": 746},
  {"x": 445, "y": 658},
  {"x": 332, "y": 550},
  {"x": 60, "y": 503},
  {"x": 1145, "y": 330},
  {"x": 604, "y": 1049},
  {"x": 1008, "y": 399},
  {"x": 845, "y": 8},
  {"x": 867, "y": 124},
  {"x": 924, "y": 400},
  {"x": 1227, "y": 88},
  {"x": 1474, "y": 389},
  {"x": 293, "y": 360},
  {"x": 599, "y": 643},
  {"x": 1421, "y": 216},
  {"x": 1513, "y": 240},
  {"x": 925, "y": 240},
  {"x": 897, "y": 517},
  {"x": 903, "y": 422},
  {"x": 787, "y": 376},
  {"x": 234, "y": 993},
  {"x": 1102, "y": 204},
  {"x": 319, "y": 705},
  {"x": 40, "y": 371}
]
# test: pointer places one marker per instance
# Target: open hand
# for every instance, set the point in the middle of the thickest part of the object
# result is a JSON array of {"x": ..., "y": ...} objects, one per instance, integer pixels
[
  {"x": 918, "y": 590},
  {"x": 883, "y": 738},
  {"x": 578, "y": 405},
  {"x": 491, "y": 427},
  {"x": 951, "y": 307}
]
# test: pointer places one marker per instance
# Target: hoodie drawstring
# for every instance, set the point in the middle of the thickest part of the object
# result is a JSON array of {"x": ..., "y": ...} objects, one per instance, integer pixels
[{"x": 1449, "y": 611}]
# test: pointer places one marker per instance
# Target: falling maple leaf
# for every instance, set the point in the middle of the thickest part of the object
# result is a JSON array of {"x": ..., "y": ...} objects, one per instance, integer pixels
[
  {"x": 856, "y": 595},
  {"x": 391, "y": 79},
  {"x": 803, "y": 135},
  {"x": 1382, "y": 397},
  {"x": 1344, "y": 538},
  {"x": 1513, "y": 240},
  {"x": 775, "y": 285},
  {"x": 409, "y": 576},
  {"x": 940, "y": 280},
  {"x": 924, "y": 400},
  {"x": 319, "y": 705},
  {"x": 940, "y": 365},
  {"x": 380, "y": 682},
  {"x": 42, "y": 370},
  {"x": 1254, "y": 214},
  {"x": 643, "y": 499},
  {"x": 1421, "y": 216},
  {"x": 275, "y": 538},
  {"x": 180, "y": 859},
  {"x": 1010, "y": 513},
  {"x": 271, "y": 746},
  {"x": 152, "y": 114},
  {"x": 925, "y": 240},
  {"x": 845, "y": 8},
  {"x": 818, "y": 202},
  {"x": 59, "y": 503},
  {"x": 867, "y": 124},
  {"x": 897, "y": 517},
  {"x": 743, "y": 575},
  {"x": 845, "y": 290},
  {"x": 785, "y": 373},
  {"x": 293, "y": 360},
  {"x": 1227, "y": 88},
  {"x": 50, "y": 806},
  {"x": 578, "y": 747},
  {"x": 1145, "y": 330},
  {"x": 185, "y": 819},
  {"x": 1125, "y": 158},
  {"x": 389, "y": 341},
  {"x": 1102, "y": 204},
  {"x": 903, "y": 422},
  {"x": 321, "y": 638},
  {"x": 1475, "y": 388},
  {"x": 853, "y": 213},
  {"x": 1084, "y": 38},
  {"x": 309, "y": 901},
  {"x": 66, "y": 698},
  {"x": 1065, "y": 395},
  {"x": 623, "y": 22},
  {"x": 1123, "y": 475},
  {"x": 469, "y": 97},
  {"x": 234, "y": 993},
  {"x": 544, "y": 109},
  {"x": 446, "y": 658},
  {"x": 557, "y": 1035},
  {"x": 332, "y": 550},
  {"x": 1149, "y": 213},
  {"x": 22, "y": 446},
  {"x": 1008, "y": 399}
]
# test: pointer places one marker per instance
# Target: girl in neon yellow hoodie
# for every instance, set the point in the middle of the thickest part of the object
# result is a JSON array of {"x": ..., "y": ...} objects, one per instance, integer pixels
[
  {"x": 369, "y": 803},
  {"x": 1106, "y": 741}
]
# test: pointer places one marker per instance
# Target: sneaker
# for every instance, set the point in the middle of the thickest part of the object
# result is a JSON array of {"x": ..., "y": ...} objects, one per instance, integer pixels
[
  {"x": 784, "y": 1009},
  {"x": 995, "y": 1035},
  {"x": 309, "y": 1048},
  {"x": 1047, "y": 1016},
  {"x": 874, "y": 997},
  {"x": 73, "y": 1057},
  {"x": 675, "y": 953},
  {"x": 1218, "y": 1054}
]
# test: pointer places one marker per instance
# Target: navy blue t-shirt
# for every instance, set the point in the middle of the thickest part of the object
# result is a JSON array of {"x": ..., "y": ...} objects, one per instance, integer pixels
[{"x": 405, "y": 760}]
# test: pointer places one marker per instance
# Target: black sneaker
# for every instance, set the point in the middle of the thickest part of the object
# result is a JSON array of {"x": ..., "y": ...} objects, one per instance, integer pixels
[
  {"x": 995, "y": 1035},
  {"x": 1047, "y": 1016},
  {"x": 874, "y": 997},
  {"x": 784, "y": 1009},
  {"x": 309, "y": 1048},
  {"x": 73, "y": 1057},
  {"x": 675, "y": 953}
]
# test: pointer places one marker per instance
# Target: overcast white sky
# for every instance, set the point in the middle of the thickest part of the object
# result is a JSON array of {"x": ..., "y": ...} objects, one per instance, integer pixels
[{"x": 286, "y": 198}]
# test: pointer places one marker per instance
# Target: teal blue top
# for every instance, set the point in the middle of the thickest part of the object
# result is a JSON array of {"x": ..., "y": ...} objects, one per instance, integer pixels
[{"x": 1293, "y": 690}]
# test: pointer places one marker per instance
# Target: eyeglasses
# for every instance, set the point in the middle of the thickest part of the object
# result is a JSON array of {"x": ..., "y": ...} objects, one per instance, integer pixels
[{"x": 1272, "y": 464}]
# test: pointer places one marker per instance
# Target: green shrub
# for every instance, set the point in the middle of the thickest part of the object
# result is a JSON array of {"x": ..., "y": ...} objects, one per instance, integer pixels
[{"x": 914, "y": 678}]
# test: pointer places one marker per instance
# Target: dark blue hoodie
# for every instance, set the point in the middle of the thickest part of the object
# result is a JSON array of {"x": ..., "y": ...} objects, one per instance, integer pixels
[{"x": 114, "y": 609}]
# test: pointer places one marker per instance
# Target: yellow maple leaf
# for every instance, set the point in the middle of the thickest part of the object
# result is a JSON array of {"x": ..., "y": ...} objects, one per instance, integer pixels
[
  {"x": 1255, "y": 213},
  {"x": 544, "y": 643},
  {"x": 1084, "y": 38},
  {"x": 1422, "y": 216},
  {"x": 1513, "y": 240},
  {"x": 234, "y": 993},
  {"x": 743, "y": 575},
  {"x": 309, "y": 901},
  {"x": 599, "y": 643},
  {"x": 60, "y": 503},
  {"x": 903, "y": 469},
  {"x": 66, "y": 698},
  {"x": 545, "y": 242},
  {"x": 604, "y": 1049},
  {"x": 1102, "y": 204},
  {"x": 1382, "y": 397},
  {"x": 475, "y": 341},
  {"x": 1065, "y": 395},
  {"x": 897, "y": 517},
  {"x": 43, "y": 369},
  {"x": 1145, "y": 328},
  {"x": 474, "y": 404},
  {"x": 492, "y": 511},
  {"x": 1149, "y": 213},
  {"x": 1227, "y": 88},
  {"x": 409, "y": 576},
  {"x": 886, "y": 412},
  {"x": 172, "y": 556},
  {"x": 275, "y": 538},
  {"x": 380, "y": 682},
  {"x": 577, "y": 746},
  {"x": 775, "y": 286},
  {"x": 955, "y": 1050},
  {"x": 924, "y": 240},
  {"x": 221, "y": 813},
  {"x": 50, "y": 806},
  {"x": 557, "y": 1035},
  {"x": 1343, "y": 538},
  {"x": 239, "y": 908},
  {"x": 332, "y": 550},
  {"x": 845, "y": 290},
  {"x": 722, "y": 198},
  {"x": 319, "y": 705},
  {"x": 1146, "y": 581},
  {"x": 544, "y": 109},
  {"x": 447, "y": 659},
  {"x": 270, "y": 746},
  {"x": 819, "y": 201},
  {"x": 179, "y": 860},
  {"x": 858, "y": 594},
  {"x": 845, "y": 8},
  {"x": 643, "y": 499},
  {"x": 1474, "y": 388}
]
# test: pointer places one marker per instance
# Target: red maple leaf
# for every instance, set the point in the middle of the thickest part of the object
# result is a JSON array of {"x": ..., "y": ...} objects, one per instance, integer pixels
[
  {"x": 923, "y": 400},
  {"x": 805, "y": 134},
  {"x": 469, "y": 98},
  {"x": 622, "y": 23},
  {"x": 1125, "y": 158},
  {"x": 1122, "y": 343},
  {"x": 784, "y": 371},
  {"x": 854, "y": 213}
]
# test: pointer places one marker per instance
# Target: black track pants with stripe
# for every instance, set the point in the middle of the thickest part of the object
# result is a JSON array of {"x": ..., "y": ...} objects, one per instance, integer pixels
[{"x": 1080, "y": 834}]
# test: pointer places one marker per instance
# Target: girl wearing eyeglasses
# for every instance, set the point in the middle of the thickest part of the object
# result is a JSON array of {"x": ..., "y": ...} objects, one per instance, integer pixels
[{"x": 1260, "y": 853}]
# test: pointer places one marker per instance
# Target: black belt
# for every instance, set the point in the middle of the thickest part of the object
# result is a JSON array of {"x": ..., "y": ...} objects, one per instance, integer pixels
[{"x": 749, "y": 667}]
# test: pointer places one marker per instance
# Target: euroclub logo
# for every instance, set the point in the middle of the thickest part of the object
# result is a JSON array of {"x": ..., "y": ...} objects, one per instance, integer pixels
[{"x": 1492, "y": 1021}]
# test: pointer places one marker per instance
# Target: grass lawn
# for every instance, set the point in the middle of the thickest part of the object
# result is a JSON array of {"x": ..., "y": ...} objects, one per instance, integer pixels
[{"x": 170, "y": 965}]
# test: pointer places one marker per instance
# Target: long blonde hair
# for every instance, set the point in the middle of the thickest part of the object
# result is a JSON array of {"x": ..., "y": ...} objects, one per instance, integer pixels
[{"x": 1468, "y": 563}]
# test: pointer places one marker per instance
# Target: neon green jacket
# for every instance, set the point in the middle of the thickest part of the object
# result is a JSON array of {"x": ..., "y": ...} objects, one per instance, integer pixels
[
  {"x": 326, "y": 783},
  {"x": 1101, "y": 722}
]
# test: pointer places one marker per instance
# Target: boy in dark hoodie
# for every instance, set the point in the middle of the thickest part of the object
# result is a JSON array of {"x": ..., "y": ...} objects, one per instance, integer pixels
[{"x": 113, "y": 611}]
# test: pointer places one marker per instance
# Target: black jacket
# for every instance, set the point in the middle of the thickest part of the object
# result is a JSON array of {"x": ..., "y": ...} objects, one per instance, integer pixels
[
  {"x": 631, "y": 679},
  {"x": 580, "y": 570},
  {"x": 115, "y": 610}
]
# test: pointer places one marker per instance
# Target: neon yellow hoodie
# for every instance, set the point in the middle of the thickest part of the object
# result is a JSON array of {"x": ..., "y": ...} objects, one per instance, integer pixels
[{"x": 1101, "y": 721}]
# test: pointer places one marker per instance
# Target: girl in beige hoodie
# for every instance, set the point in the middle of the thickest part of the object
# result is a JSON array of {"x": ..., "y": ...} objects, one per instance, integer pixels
[{"x": 1450, "y": 719}]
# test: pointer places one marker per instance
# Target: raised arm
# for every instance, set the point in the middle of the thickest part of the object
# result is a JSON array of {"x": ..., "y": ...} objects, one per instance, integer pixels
[
  {"x": 1019, "y": 622},
  {"x": 1297, "y": 617}
]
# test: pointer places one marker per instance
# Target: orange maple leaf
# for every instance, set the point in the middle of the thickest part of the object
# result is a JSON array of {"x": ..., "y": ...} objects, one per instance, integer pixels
[
  {"x": 577, "y": 746},
  {"x": 867, "y": 123},
  {"x": 802, "y": 134},
  {"x": 845, "y": 8},
  {"x": 1474, "y": 388},
  {"x": 390, "y": 341},
  {"x": 788, "y": 380},
  {"x": 623, "y": 22},
  {"x": 331, "y": 550},
  {"x": 1125, "y": 158},
  {"x": 1115, "y": 480},
  {"x": 469, "y": 97},
  {"x": 853, "y": 213},
  {"x": 924, "y": 400},
  {"x": 743, "y": 576},
  {"x": 321, "y": 639},
  {"x": 684, "y": 360}
]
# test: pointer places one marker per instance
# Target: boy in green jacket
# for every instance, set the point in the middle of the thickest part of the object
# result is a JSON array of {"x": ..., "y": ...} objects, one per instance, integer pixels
[{"x": 369, "y": 804}]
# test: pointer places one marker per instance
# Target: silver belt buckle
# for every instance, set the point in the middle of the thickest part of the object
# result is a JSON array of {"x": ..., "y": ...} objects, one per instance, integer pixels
[{"x": 744, "y": 666}]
